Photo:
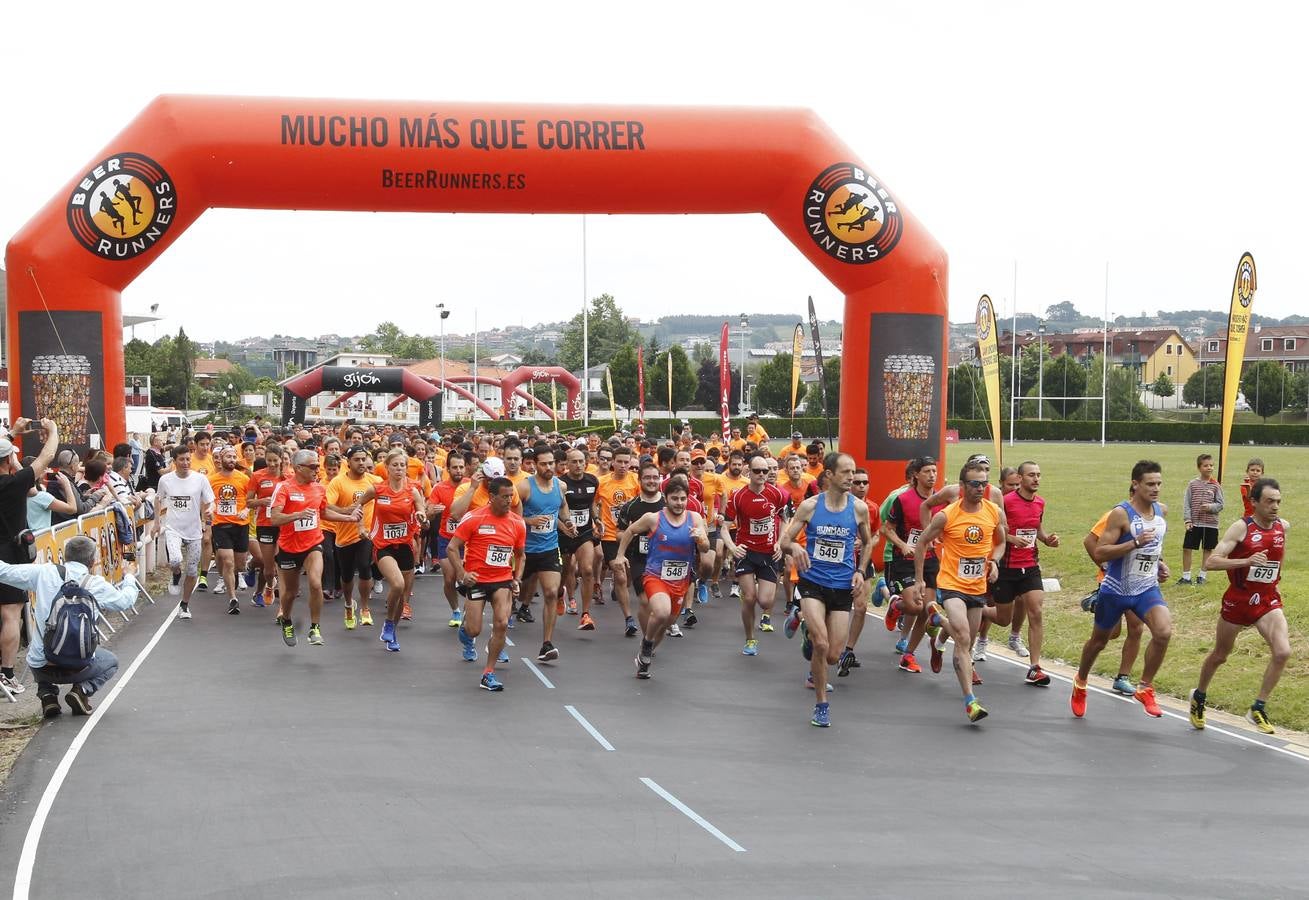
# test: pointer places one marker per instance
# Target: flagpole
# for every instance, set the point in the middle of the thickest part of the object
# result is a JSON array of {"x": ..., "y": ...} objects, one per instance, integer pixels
[
  {"x": 1013, "y": 356},
  {"x": 1104, "y": 354}
]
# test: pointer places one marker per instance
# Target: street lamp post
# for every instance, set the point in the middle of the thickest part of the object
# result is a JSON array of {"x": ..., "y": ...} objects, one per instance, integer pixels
[
  {"x": 445, "y": 314},
  {"x": 745, "y": 330},
  {"x": 1040, "y": 371}
]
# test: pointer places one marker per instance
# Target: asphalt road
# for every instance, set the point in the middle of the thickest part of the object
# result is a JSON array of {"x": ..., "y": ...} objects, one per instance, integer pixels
[{"x": 232, "y": 766}]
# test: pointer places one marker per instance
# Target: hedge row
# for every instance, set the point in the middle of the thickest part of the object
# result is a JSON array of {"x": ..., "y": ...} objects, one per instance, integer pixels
[
  {"x": 1137, "y": 432},
  {"x": 778, "y": 429}
]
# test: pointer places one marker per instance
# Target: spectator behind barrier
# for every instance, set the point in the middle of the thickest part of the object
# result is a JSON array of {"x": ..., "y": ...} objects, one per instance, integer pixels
[
  {"x": 46, "y": 580},
  {"x": 15, "y": 536}
]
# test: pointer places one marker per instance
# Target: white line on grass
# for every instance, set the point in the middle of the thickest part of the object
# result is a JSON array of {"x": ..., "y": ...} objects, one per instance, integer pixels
[
  {"x": 692, "y": 815},
  {"x": 27, "y": 860},
  {"x": 581, "y": 720},
  {"x": 1167, "y": 712},
  {"x": 538, "y": 673}
]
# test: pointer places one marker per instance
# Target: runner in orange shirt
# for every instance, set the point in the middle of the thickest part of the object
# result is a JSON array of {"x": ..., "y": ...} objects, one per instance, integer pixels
[
  {"x": 259, "y": 495},
  {"x": 231, "y": 528},
  {"x": 397, "y": 511},
  {"x": 354, "y": 548},
  {"x": 492, "y": 544},
  {"x": 439, "y": 502},
  {"x": 616, "y": 488}
]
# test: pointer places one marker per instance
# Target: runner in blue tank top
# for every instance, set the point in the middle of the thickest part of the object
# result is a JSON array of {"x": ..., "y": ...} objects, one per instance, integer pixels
[
  {"x": 830, "y": 575},
  {"x": 676, "y": 534},
  {"x": 546, "y": 514},
  {"x": 1131, "y": 549}
]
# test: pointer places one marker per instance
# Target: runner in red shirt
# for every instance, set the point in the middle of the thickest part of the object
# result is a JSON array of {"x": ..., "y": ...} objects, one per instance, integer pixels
[
  {"x": 398, "y": 515},
  {"x": 262, "y": 483},
  {"x": 297, "y": 507},
  {"x": 1251, "y": 552},
  {"x": 494, "y": 548},
  {"x": 754, "y": 545}
]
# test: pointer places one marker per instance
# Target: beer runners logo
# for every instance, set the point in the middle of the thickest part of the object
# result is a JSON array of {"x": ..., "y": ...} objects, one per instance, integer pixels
[
  {"x": 850, "y": 216},
  {"x": 122, "y": 207},
  {"x": 973, "y": 534},
  {"x": 1245, "y": 284},
  {"x": 983, "y": 319}
]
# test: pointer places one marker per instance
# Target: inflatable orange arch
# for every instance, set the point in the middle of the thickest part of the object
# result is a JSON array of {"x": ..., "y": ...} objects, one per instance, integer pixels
[{"x": 67, "y": 267}]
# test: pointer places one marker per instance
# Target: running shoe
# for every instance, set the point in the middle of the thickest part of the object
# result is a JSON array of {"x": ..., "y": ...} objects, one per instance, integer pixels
[
  {"x": 490, "y": 682},
  {"x": 349, "y": 617},
  {"x": 220, "y": 586},
  {"x": 892, "y": 614},
  {"x": 261, "y": 599},
  {"x": 184, "y": 612},
  {"x": 503, "y": 657},
  {"x": 1123, "y": 685},
  {"x": 233, "y": 607},
  {"x": 288, "y": 632},
  {"x": 570, "y": 607},
  {"x": 175, "y": 588},
  {"x": 809, "y": 682},
  {"x": 1079, "y": 700},
  {"x": 1197, "y": 713},
  {"x": 1146, "y": 697},
  {"x": 407, "y": 614},
  {"x": 1259, "y": 719},
  {"x": 418, "y": 569},
  {"x": 1090, "y": 601},
  {"x": 1036, "y": 677},
  {"x": 202, "y": 584},
  {"x": 316, "y": 637},
  {"x": 936, "y": 658},
  {"x": 976, "y": 712},
  {"x": 977, "y": 679},
  {"x": 13, "y": 685},
  {"x": 366, "y": 617},
  {"x": 713, "y": 589},
  {"x": 559, "y": 605},
  {"x": 979, "y": 649},
  {"x": 845, "y": 664},
  {"x": 674, "y": 630},
  {"x": 822, "y": 717},
  {"x": 1016, "y": 644},
  {"x": 909, "y": 664},
  {"x": 1185, "y": 579},
  {"x": 586, "y": 623},
  {"x": 379, "y": 588},
  {"x": 806, "y": 645},
  {"x": 456, "y": 618},
  {"x": 630, "y": 629},
  {"x": 388, "y": 632},
  {"x": 877, "y": 591},
  {"x": 702, "y": 593},
  {"x": 791, "y": 623},
  {"x": 902, "y": 645},
  {"x": 751, "y": 648},
  {"x": 642, "y": 667},
  {"x": 691, "y": 620},
  {"x": 766, "y": 623},
  {"x": 1201, "y": 578},
  {"x": 736, "y": 590},
  {"x": 525, "y": 614},
  {"x": 549, "y": 653},
  {"x": 936, "y": 616}
]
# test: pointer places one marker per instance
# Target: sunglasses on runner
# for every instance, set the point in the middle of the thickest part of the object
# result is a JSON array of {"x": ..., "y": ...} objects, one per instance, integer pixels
[
  {"x": 864, "y": 481},
  {"x": 975, "y": 483},
  {"x": 758, "y": 471}
]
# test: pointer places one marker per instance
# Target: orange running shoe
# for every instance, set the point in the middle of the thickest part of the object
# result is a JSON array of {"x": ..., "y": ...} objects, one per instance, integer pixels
[
  {"x": 1079, "y": 700},
  {"x": 559, "y": 605},
  {"x": 977, "y": 679},
  {"x": 406, "y": 614},
  {"x": 586, "y": 623},
  {"x": 892, "y": 614},
  {"x": 1145, "y": 694},
  {"x": 909, "y": 664}
]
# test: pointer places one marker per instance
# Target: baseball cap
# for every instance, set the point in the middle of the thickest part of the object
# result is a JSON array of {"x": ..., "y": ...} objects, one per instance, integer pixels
[
  {"x": 698, "y": 454},
  {"x": 494, "y": 467},
  {"x": 6, "y": 447}
]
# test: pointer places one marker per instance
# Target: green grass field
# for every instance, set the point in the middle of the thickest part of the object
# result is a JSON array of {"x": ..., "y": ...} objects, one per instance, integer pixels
[{"x": 1081, "y": 481}]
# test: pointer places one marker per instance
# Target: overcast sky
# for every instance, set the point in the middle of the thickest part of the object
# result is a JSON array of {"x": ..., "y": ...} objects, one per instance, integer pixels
[{"x": 1163, "y": 138}]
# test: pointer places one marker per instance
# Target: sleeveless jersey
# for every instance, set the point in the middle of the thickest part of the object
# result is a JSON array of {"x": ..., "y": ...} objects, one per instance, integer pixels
[
  {"x": 672, "y": 550},
  {"x": 543, "y": 538},
  {"x": 902, "y": 509},
  {"x": 579, "y": 494},
  {"x": 966, "y": 543},
  {"x": 1024, "y": 517},
  {"x": 1138, "y": 571},
  {"x": 631, "y": 511},
  {"x": 830, "y": 539},
  {"x": 393, "y": 515},
  {"x": 1260, "y": 582}
]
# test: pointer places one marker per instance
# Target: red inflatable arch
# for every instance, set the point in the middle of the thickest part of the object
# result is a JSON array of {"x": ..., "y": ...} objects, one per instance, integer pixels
[
  {"x": 510, "y": 383},
  {"x": 185, "y": 154}
]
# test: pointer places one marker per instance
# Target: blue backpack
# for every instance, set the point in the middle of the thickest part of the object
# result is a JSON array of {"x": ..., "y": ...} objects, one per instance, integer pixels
[{"x": 70, "y": 635}]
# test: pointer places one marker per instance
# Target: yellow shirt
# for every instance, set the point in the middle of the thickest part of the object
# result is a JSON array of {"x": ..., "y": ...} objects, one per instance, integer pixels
[
  {"x": 230, "y": 489},
  {"x": 966, "y": 544},
  {"x": 757, "y": 434},
  {"x": 344, "y": 491},
  {"x": 611, "y": 495}
]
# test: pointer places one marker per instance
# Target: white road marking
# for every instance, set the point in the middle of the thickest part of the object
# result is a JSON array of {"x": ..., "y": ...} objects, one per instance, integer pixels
[
  {"x": 692, "y": 815},
  {"x": 27, "y": 860},
  {"x": 538, "y": 673},
  {"x": 581, "y": 720}
]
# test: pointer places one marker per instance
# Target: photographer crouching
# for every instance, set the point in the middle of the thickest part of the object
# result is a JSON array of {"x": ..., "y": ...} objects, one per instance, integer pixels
[
  {"x": 15, "y": 537},
  {"x": 67, "y": 597}
]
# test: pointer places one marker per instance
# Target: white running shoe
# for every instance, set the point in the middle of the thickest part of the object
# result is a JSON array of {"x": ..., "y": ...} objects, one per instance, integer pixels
[
  {"x": 979, "y": 650},
  {"x": 220, "y": 587},
  {"x": 184, "y": 612},
  {"x": 674, "y": 630},
  {"x": 1016, "y": 644},
  {"x": 736, "y": 589},
  {"x": 175, "y": 588}
]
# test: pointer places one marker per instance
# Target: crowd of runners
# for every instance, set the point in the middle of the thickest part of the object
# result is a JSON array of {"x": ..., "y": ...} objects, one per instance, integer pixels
[{"x": 534, "y": 526}]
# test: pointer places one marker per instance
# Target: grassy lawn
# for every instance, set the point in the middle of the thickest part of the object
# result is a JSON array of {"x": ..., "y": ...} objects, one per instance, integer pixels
[{"x": 1081, "y": 481}]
